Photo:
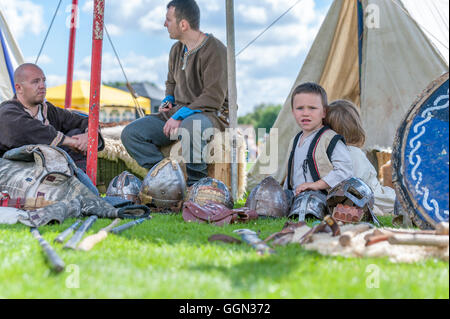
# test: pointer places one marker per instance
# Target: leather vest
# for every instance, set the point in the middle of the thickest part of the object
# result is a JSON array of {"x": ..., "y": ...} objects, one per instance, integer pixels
[{"x": 319, "y": 154}]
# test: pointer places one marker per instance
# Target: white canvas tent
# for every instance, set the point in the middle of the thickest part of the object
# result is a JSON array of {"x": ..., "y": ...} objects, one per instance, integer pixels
[
  {"x": 10, "y": 59},
  {"x": 380, "y": 54}
]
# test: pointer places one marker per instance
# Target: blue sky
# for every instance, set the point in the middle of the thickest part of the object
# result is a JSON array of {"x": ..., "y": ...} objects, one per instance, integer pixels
[{"x": 266, "y": 70}]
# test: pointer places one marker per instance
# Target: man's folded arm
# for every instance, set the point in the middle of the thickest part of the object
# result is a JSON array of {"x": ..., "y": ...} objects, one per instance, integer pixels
[{"x": 18, "y": 128}]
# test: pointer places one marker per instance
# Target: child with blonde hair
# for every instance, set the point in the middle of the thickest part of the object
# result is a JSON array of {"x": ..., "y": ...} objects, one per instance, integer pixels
[{"x": 343, "y": 117}]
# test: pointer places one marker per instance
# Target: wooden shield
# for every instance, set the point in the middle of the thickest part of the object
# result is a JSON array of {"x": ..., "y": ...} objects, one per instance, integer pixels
[{"x": 420, "y": 160}]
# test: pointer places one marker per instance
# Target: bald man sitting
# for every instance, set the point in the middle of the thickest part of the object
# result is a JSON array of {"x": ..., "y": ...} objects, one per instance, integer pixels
[{"x": 29, "y": 119}]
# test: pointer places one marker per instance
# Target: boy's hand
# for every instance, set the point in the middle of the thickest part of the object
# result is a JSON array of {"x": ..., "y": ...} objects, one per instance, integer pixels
[
  {"x": 316, "y": 186},
  {"x": 304, "y": 187}
]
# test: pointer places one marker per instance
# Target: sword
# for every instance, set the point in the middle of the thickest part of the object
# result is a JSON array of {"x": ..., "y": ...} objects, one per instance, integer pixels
[{"x": 251, "y": 238}]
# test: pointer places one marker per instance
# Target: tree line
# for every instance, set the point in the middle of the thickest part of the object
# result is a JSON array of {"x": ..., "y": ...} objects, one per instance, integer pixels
[{"x": 262, "y": 116}]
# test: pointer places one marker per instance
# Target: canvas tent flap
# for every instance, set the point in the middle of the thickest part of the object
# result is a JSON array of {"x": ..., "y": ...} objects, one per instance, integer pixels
[
  {"x": 340, "y": 77},
  {"x": 9, "y": 51},
  {"x": 80, "y": 97},
  {"x": 432, "y": 18},
  {"x": 399, "y": 62}
]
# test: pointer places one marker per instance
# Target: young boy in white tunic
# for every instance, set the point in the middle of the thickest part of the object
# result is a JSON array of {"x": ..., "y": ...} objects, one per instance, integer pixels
[
  {"x": 319, "y": 159},
  {"x": 343, "y": 117}
]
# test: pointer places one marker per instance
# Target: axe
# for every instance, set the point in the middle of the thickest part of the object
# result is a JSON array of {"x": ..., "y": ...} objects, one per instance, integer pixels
[{"x": 92, "y": 240}]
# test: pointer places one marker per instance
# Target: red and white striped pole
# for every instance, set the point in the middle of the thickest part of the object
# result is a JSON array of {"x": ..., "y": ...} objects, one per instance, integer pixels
[
  {"x": 73, "y": 31},
  {"x": 94, "y": 100}
]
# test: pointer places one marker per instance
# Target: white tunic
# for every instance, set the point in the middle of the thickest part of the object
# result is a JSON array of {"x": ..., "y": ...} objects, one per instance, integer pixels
[{"x": 364, "y": 170}]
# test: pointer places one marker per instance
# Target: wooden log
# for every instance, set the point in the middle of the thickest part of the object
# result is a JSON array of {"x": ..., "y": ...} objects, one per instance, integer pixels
[
  {"x": 382, "y": 158},
  {"x": 371, "y": 240},
  {"x": 386, "y": 174},
  {"x": 442, "y": 229},
  {"x": 346, "y": 238},
  {"x": 419, "y": 240},
  {"x": 416, "y": 232}
]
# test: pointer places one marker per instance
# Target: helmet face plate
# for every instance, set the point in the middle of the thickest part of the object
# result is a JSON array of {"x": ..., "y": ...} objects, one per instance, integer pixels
[
  {"x": 126, "y": 186},
  {"x": 352, "y": 192},
  {"x": 268, "y": 199},
  {"x": 164, "y": 186},
  {"x": 309, "y": 203}
]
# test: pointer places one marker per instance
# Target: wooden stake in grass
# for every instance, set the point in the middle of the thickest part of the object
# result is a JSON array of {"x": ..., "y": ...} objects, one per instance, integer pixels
[{"x": 419, "y": 240}]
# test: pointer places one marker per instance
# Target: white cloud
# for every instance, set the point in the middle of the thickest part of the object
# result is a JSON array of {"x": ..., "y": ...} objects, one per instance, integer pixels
[
  {"x": 23, "y": 16},
  {"x": 210, "y": 5},
  {"x": 137, "y": 68},
  {"x": 43, "y": 59},
  {"x": 153, "y": 20},
  {"x": 252, "y": 14},
  {"x": 88, "y": 6},
  {"x": 113, "y": 30},
  {"x": 132, "y": 15},
  {"x": 253, "y": 91},
  {"x": 55, "y": 80}
]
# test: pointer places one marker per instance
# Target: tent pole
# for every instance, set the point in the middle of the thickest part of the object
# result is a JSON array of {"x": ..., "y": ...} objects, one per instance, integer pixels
[
  {"x": 232, "y": 94},
  {"x": 94, "y": 95},
  {"x": 73, "y": 31}
]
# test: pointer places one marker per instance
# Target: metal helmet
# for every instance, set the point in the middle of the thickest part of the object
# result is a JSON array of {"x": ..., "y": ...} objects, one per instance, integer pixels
[
  {"x": 309, "y": 203},
  {"x": 126, "y": 186},
  {"x": 209, "y": 189},
  {"x": 164, "y": 185},
  {"x": 353, "y": 192},
  {"x": 268, "y": 199}
]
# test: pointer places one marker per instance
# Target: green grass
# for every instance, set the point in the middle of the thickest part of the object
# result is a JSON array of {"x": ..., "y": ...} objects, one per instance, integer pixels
[{"x": 168, "y": 258}]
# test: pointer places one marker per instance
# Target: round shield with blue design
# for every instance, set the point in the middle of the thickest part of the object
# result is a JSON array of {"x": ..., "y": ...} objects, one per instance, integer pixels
[{"x": 420, "y": 160}]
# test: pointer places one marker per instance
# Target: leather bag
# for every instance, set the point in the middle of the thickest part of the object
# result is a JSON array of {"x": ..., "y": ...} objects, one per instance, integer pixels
[{"x": 218, "y": 214}]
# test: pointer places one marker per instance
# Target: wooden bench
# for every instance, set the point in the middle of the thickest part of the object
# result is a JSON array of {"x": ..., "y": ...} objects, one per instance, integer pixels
[{"x": 114, "y": 159}]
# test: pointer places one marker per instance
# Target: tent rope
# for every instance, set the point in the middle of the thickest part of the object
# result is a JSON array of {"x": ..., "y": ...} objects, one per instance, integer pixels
[
  {"x": 443, "y": 19},
  {"x": 423, "y": 28},
  {"x": 48, "y": 31},
  {"x": 130, "y": 88}
]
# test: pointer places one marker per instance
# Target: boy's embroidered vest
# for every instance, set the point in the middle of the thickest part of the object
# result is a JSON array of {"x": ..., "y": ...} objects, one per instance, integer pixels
[{"x": 319, "y": 154}]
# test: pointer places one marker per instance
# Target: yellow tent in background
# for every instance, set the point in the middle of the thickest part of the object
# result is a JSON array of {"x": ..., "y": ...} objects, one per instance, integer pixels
[{"x": 115, "y": 104}]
